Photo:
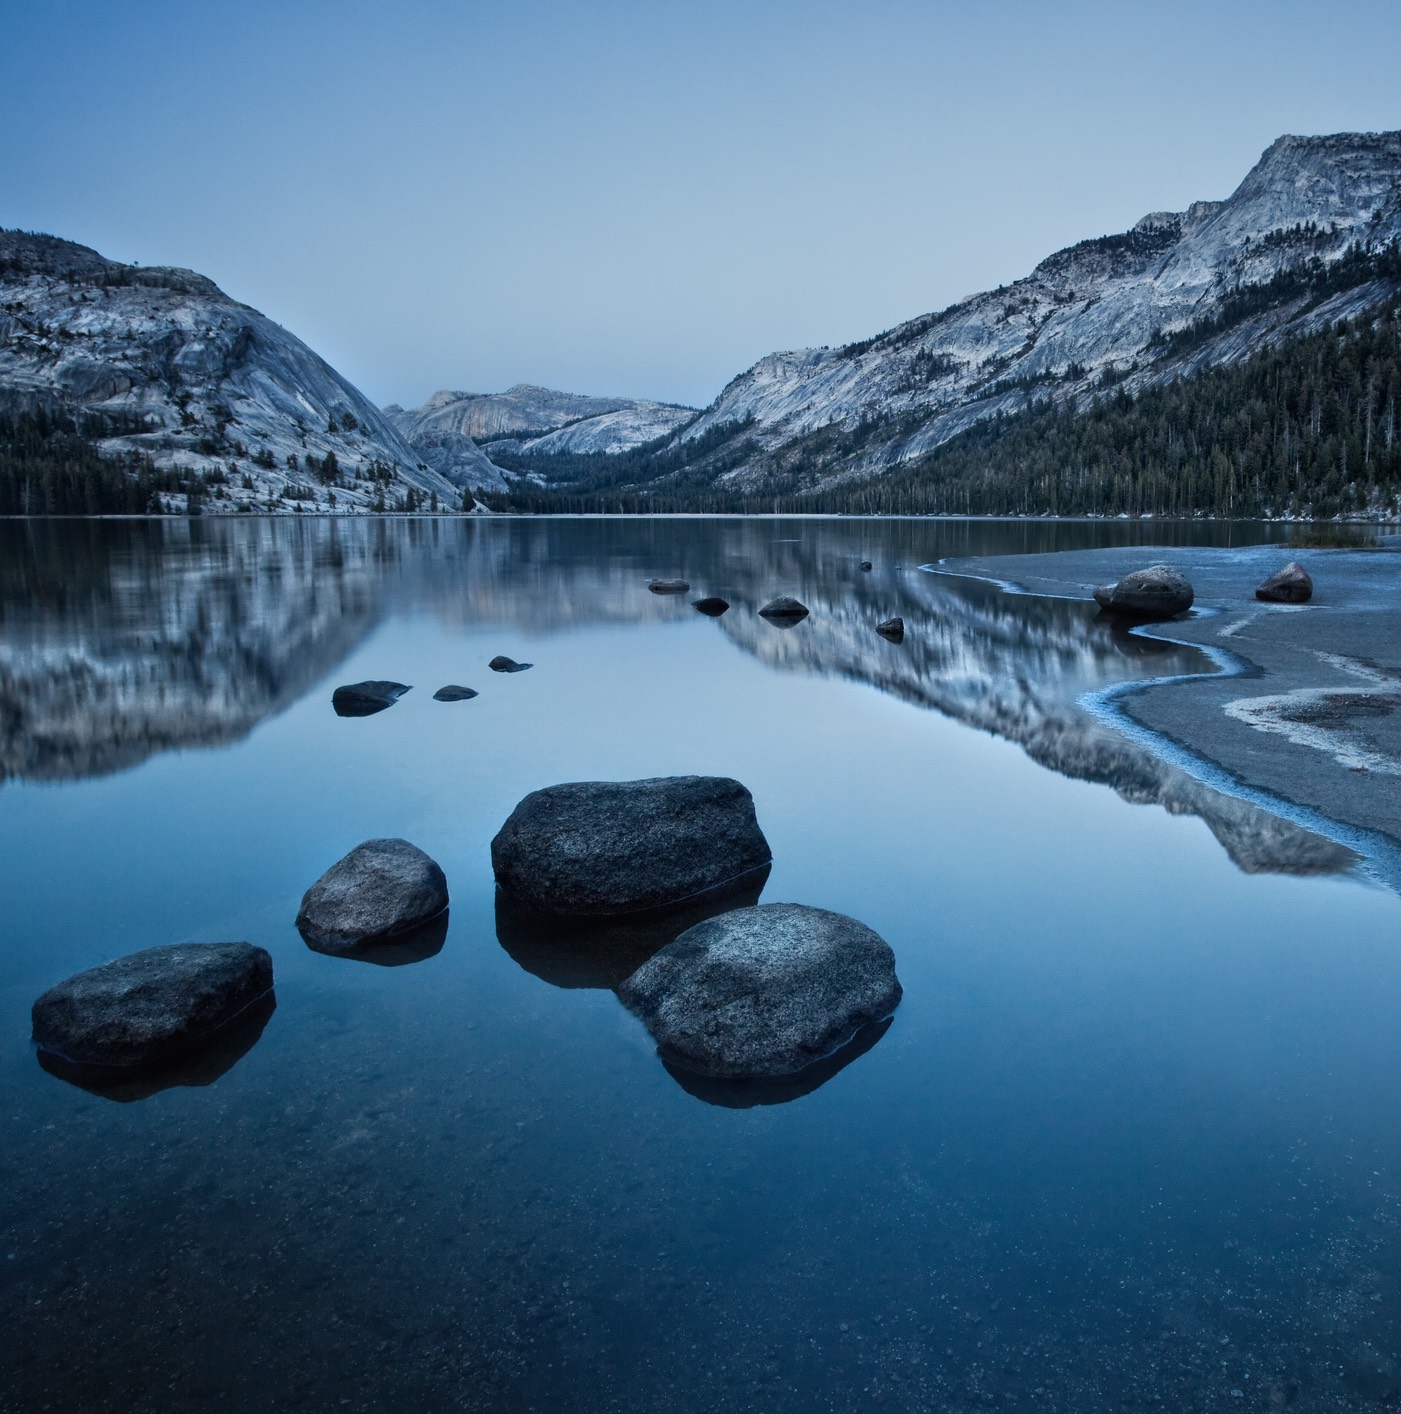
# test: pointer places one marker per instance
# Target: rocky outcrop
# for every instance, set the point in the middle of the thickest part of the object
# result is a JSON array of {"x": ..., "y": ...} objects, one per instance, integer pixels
[
  {"x": 381, "y": 890},
  {"x": 171, "y": 367},
  {"x": 1290, "y": 585},
  {"x": 768, "y": 990},
  {"x": 151, "y": 1006},
  {"x": 1158, "y": 592},
  {"x": 597, "y": 849}
]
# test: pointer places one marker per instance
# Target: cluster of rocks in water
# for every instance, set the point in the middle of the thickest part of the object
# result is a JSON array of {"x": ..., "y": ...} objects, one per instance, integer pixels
[
  {"x": 729, "y": 988},
  {"x": 1162, "y": 592}
]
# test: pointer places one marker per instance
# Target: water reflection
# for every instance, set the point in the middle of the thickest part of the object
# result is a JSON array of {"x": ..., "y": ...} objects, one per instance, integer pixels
[
  {"x": 576, "y": 953},
  {"x": 198, "y": 1068},
  {"x": 398, "y": 951},
  {"x": 121, "y": 640}
]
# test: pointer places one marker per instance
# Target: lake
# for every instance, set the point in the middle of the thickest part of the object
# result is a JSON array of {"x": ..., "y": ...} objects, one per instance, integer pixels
[{"x": 1132, "y": 1138}]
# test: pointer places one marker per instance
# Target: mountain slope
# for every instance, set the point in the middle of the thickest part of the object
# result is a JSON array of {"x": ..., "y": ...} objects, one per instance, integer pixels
[
  {"x": 1308, "y": 238},
  {"x": 162, "y": 364}
]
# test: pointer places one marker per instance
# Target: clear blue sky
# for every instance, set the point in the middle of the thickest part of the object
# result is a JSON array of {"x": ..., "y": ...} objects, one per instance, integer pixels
[{"x": 642, "y": 198}]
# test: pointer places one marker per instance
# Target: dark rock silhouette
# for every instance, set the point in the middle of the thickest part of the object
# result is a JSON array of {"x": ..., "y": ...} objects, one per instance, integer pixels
[
  {"x": 668, "y": 586},
  {"x": 364, "y": 699},
  {"x": 381, "y": 889},
  {"x": 453, "y": 693},
  {"x": 1290, "y": 585},
  {"x": 784, "y": 612},
  {"x": 150, "y": 1006},
  {"x": 604, "y": 848},
  {"x": 893, "y": 629},
  {"x": 711, "y": 607},
  {"x": 503, "y": 664},
  {"x": 767, "y": 990},
  {"x": 1158, "y": 592}
]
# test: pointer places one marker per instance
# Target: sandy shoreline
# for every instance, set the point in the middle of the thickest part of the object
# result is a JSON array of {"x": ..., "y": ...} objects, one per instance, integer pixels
[{"x": 1306, "y": 715}]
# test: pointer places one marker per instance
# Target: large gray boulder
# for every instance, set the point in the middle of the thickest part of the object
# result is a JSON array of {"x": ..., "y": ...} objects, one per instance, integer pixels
[
  {"x": 598, "y": 849},
  {"x": 380, "y": 890},
  {"x": 1157, "y": 592},
  {"x": 152, "y": 1005},
  {"x": 1291, "y": 585},
  {"x": 768, "y": 990}
]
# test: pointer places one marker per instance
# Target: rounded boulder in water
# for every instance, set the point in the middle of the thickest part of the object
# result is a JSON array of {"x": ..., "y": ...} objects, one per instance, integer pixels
[
  {"x": 1291, "y": 585},
  {"x": 784, "y": 611},
  {"x": 502, "y": 664},
  {"x": 892, "y": 629},
  {"x": 380, "y": 890},
  {"x": 600, "y": 849},
  {"x": 150, "y": 1006},
  {"x": 712, "y": 606},
  {"x": 1158, "y": 592},
  {"x": 768, "y": 990},
  {"x": 668, "y": 586},
  {"x": 364, "y": 699}
]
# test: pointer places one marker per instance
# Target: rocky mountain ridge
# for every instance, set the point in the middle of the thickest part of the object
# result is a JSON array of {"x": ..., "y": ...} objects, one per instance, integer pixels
[{"x": 161, "y": 362}]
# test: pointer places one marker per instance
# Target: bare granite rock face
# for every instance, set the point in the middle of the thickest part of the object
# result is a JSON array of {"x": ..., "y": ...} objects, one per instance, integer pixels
[
  {"x": 595, "y": 849},
  {"x": 1158, "y": 592},
  {"x": 1290, "y": 585},
  {"x": 768, "y": 990},
  {"x": 150, "y": 1006},
  {"x": 382, "y": 889}
]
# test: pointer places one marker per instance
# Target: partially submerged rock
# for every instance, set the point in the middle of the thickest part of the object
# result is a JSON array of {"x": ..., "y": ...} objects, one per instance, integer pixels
[
  {"x": 768, "y": 990},
  {"x": 503, "y": 664},
  {"x": 151, "y": 1006},
  {"x": 453, "y": 693},
  {"x": 712, "y": 607},
  {"x": 1291, "y": 585},
  {"x": 382, "y": 889},
  {"x": 865, "y": 564},
  {"x": 893, "y": 629},
  {"x": 1158, "y": 592},
  {"x": 668, "y": 586},
  {"x": 784, "y": 611},
  {"x": 364, "y": 699},
  {"x": 598, "y": 849}
]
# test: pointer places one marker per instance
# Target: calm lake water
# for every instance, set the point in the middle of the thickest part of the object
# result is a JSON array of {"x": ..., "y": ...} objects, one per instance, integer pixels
[{"x": 1133, "y": 1139}]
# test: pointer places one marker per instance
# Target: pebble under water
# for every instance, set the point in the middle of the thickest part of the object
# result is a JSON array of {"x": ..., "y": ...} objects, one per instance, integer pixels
[{"x": 1131, "y": 1140}]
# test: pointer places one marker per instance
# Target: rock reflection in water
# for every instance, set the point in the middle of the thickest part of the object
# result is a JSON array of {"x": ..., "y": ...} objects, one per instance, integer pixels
[
  {"x": 572, "y": 953},
  {"x": 777, "y": 1089},
  {"x": 399, "y": 951},
  {"x": 201, "y": 1067}
]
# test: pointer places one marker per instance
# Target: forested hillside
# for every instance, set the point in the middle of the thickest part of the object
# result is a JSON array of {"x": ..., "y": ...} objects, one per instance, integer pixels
[{"x": 1307, "y": 428}]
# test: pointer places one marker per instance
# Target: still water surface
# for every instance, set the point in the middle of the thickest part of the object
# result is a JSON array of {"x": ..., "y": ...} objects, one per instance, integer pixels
[{"x": 1132, "y": 1140}]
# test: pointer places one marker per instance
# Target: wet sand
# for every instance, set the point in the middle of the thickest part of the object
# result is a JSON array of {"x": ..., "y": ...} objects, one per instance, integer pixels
[{"x": 1307, "y": 711}]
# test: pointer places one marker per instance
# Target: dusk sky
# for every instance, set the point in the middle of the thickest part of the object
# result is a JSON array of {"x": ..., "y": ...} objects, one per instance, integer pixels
[{"x": 642, "y": 199}]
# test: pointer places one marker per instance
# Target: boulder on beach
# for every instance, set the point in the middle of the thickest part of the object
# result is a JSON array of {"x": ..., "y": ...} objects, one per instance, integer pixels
[
  {"x": 768, "y": 990},
  {"x": 503, "y": 664},
  {"x": 453, "y": 693},
  {"x": 784, "y": 611},
  {"x": 1157, "y": 592},
  {"x": 711, "y": 606},
  {"x": 599, "y": 849},
  {"x": 381, "y": 890},
  {"x": 364, "y": 699},
  {"x": 893, "y": 629},
  {"x": 150, "y": 1006},
  {"x": 668, "y": 586},
  {"x": 1291, "y": 585}
]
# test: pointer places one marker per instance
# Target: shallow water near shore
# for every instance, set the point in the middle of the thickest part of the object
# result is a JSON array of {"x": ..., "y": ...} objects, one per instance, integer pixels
[{"x": 1133, "y": 1137}]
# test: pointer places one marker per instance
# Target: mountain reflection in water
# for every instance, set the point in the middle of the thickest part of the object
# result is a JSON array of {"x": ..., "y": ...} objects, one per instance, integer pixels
[{"x": 121, "y": 640}]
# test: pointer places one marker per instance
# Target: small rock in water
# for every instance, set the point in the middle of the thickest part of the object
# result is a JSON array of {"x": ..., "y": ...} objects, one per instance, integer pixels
[
  {"x": 152, "y": 1005},
  {"x": 893, "y": 629},
  {"x": 453, "y": 693},
  {"x": 503, "y": 664},
  {"x": 668, "y": 586},
  {"x": 711, "y": 607},
  {"x": 768, "y": 990},
  {"x": 599, "y": 849},
  {"x": 1291, "y": 585},
  {"x": 364, "y": 699},
  {"x": 784, "y": 612},
  {"x": 1157, "y": 592},
  {"x": 865, "y": 564},
  {"x": 381, "y": 889}
]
